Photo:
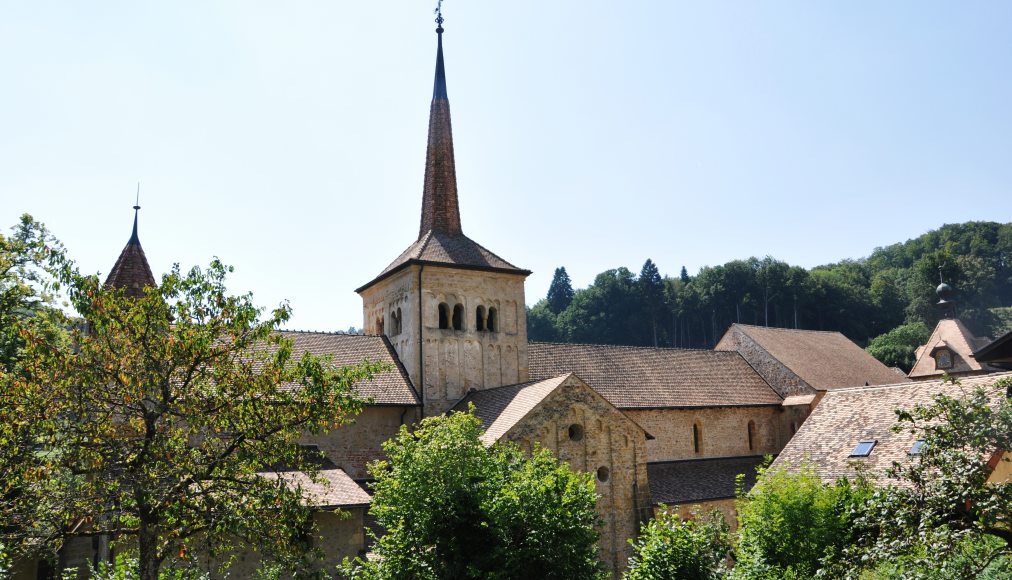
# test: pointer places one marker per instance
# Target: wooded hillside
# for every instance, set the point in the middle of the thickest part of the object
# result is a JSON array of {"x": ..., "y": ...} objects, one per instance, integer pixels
[{"x": 861, "y": 298}]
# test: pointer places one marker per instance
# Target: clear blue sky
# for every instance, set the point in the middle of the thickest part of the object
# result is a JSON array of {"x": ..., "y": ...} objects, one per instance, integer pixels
[{"x": 288, "y": 138}]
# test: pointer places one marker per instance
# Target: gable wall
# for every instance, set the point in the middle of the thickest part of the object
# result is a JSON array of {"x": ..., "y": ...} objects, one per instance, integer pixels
[
  {"x": 609, "y": 441},
  {"x": 782, "y": 379}
]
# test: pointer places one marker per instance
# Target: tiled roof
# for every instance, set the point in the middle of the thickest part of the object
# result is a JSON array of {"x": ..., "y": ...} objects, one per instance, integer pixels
[
  {"x": 644, "y": 378},
  {"x": 696, "y": 480},
  {"x": 824, "y": 360},
  {"x": 845, "y": 417},
  {"x": 335, "y": 489},
  {"x": 391, "y": 387},
  {"x": 444, "y": 249},
  {"x": 131, "y": 271},
  {"x": 954, "y": 335},
  {"x": 501, "y": 408}
]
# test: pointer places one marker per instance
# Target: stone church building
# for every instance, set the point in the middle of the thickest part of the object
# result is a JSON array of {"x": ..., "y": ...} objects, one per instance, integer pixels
[{"x": 654, "y": 425}]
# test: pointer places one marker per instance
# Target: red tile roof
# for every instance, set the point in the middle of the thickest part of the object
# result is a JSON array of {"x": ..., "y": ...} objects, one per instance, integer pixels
[
  {"x": 131, "y": 272},
  {"x": 334, "y": 488},
  {"x": 954, "y": 335},
  {"x": 443, "y": 249},
  {"x": 824, "y": 360},
  {"x": 845, "y": 417},
  {"x": 501, "y": 408},
  {"x": 392, "y": 387},
  {"x": 643, "y": 378}
]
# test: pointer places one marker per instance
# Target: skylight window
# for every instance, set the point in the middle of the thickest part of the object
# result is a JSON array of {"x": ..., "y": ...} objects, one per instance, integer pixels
[
  {"x": 863, "y": 449},
  {"x": 917, "y": 447}
]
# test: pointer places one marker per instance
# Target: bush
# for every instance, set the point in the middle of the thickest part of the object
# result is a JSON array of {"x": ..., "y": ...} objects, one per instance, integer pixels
[{"x": 669, "y": 547}]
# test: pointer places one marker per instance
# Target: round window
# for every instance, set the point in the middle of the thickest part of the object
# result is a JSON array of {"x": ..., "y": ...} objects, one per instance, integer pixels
[
  {"x": 603, "y": 473},
  {"x": 575, "y": 432}
]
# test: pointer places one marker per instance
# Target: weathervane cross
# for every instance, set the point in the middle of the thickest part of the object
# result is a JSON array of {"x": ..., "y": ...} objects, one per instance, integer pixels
[{"x": 439, "y": 13}]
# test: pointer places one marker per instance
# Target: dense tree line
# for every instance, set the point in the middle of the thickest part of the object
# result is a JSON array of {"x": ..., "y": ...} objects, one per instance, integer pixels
[{"x": 861, "y": 298}]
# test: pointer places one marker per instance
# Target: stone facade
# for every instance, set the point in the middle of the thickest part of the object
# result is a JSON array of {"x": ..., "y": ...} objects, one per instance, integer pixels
[
  {"x": 782, "y": 379},
  {"x": 444, "y": 362},
  {"x": 583, "y": 429},
  {"x": 719, "y": 432},
  {"x": 352, "y": 447}
]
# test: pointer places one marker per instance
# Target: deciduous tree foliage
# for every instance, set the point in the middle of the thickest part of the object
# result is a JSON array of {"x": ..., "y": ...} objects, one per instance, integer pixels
[
  {"x": 156, "y": 425},
  {"x": 453, "y": 508},
  {"x": 791, "y": 524},
  {"x": 897, "y": 347},
  {"x": 860, "y": 298},
  {"x": 669, "y": 547},
  {"x": 944, "y": 508}
]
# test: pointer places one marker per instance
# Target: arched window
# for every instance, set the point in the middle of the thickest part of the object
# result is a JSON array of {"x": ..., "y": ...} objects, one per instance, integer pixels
[
  {"x": 695, "y": 437},
  {"x": 379, "y": 326},
  {"x": 444, "y": 315},
  {"x": 458, "y": 317},
  {"x": 751, "y": 435},
  {"x": 479, "y": 316},
  {"x": 492, "y": 322}
]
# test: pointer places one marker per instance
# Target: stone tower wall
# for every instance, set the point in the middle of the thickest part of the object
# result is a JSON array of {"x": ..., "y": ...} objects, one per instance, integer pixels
[{"x": 452, "y": 361}]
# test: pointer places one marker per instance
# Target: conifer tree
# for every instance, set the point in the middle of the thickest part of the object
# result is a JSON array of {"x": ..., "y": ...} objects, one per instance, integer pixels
[
  {"x": 560, "y": 293},
  {"x": 651, "y": 291}
]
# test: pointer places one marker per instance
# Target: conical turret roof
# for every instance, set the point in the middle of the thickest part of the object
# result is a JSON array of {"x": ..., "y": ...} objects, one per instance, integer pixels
[{"x": 131, "y": 273}]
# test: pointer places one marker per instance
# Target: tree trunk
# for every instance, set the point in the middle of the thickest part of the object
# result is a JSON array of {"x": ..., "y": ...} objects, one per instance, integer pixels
[{"x": 147, "y": 551}]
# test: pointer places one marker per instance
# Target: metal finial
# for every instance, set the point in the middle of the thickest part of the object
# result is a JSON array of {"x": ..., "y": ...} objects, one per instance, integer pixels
[
  {"x": 941, "y": 280},
  {"x": 137, "y": 206},
  {"x": 439, "y": 15},
  {"x": 137, "y": 203}
]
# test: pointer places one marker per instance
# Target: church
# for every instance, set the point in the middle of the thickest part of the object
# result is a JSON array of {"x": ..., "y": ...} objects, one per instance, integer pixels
[{"x": 656, "y": 426}]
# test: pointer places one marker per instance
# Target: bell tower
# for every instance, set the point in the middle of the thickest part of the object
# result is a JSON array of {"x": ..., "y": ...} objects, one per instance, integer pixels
[{"x": 453, "y": 310}]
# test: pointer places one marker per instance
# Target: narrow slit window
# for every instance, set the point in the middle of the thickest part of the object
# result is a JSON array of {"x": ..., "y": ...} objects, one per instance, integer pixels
[
  {"x": 751, "y": 435},
  {"x": 444, "y": 316},
  {"x": 695, "y": 438},
  {"x": 863, "y": 449},
  {"x": 458, "y": 317}
]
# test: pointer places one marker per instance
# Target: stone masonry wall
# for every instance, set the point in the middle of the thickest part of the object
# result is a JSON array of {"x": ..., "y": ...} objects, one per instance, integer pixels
[
  {"x": 455, "y": 361},
  {"x": 723, "y": 432},
  {"x": 607, "y": 445},
  {"x": 355, "y": 445},
  {"x": 781, "y": 378}
]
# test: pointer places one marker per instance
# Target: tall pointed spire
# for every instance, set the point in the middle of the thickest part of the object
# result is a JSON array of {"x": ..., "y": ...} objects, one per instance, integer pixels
[
  {"x": 131, "y": 271},
  {"x": 440, "y": 210}
]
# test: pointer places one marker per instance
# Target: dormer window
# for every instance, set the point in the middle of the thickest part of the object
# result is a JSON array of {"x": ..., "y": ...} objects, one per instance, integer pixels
[
  {"x": 943, "y": 359},
  {"x": 863, "y": 448},
  {"x": 917, "y": 447}
]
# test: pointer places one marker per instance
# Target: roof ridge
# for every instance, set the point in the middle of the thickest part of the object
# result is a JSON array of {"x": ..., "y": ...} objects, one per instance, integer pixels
[
  {"x": 634, "y": 347},
  {"x": 781, "y": 328},
  {"x": 938, "y": 382}
]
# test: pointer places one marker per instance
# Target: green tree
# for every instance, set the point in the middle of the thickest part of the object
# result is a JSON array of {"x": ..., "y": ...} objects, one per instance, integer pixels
[
  {"x": 944, "y": 517},
  {"x": 669, "y": 547},
  {"x": 164, "y": 416},
  {"x": 650, "y": 289},
  {"x": 605, "y": 312},
  {"x": 451, "y": 507},
  {"x": 541, "y": 322},
  {"x": 27, "y": 313},
  {"x": 560, "y": 292},
  {"x": 897, "y": 347},
  {"x": 792, "y": 524}
]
